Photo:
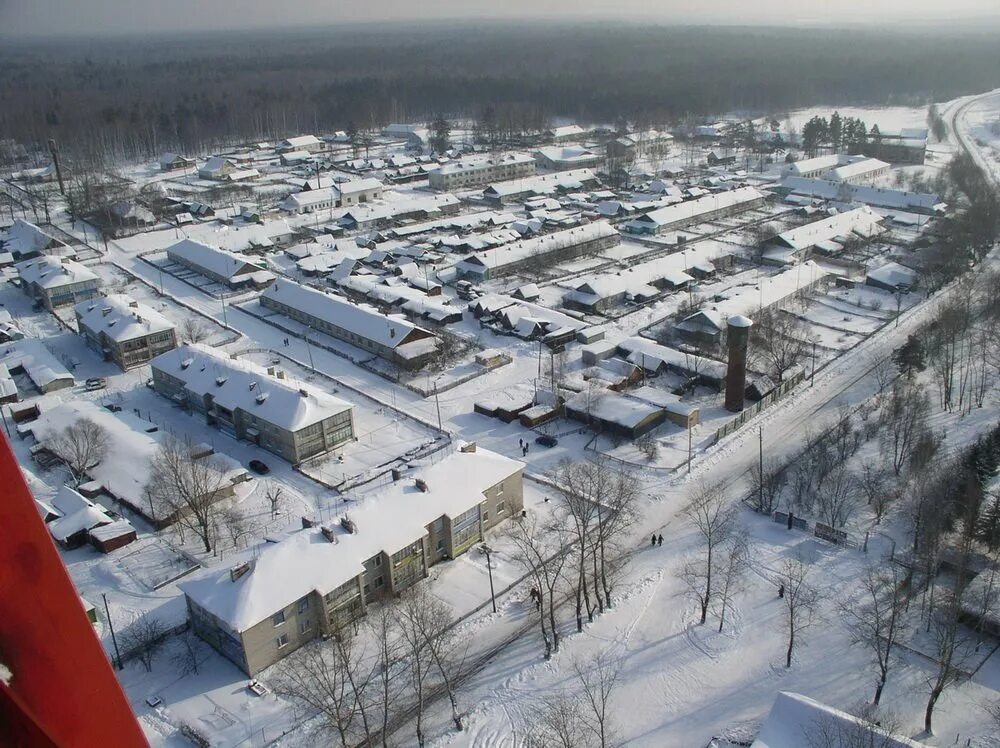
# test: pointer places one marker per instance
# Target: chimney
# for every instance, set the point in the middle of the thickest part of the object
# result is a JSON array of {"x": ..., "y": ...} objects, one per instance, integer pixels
[
  {"x": 737, "y": 338},
  {"x": 105, "y": 311},
  {"x": 396, "y": 474},
  {"x": 307, "y": 523},
  {"x": 348, "y": 524},
  {"x": 328, "y": 533},
  {"x": 469, "y": 448},
  {"x": 238, "y": 571},
  {"x": 304, "y": 392},
  {"x": 421, "y": 484},
  {"x": 281, "y": 374},
  {"x": 134, "y": 304}
]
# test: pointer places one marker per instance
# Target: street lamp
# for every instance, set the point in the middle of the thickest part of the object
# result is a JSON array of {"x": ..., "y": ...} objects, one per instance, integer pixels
[{"x": 485, "y": 549}]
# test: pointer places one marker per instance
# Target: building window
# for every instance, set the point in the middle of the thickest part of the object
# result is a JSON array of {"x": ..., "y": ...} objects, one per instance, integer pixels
[
  {"x": 303, "y": 605},
  {"x": 304, "y": 626},
  {"x": 379, "y": 582},
  {"x": 378, "y": 561},
  {"x": 501, "y": 507},
  {"x": 500, "y": 490},
  {"x": 282, "y": 641},
  {"x": 278, "y": 618}
]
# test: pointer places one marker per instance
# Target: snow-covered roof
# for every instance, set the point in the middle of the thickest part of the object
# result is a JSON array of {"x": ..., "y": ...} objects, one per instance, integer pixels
[
  {"x": 860, "y": 222},
  {"x": 38, "y": 362},
  {"x": 387, "y": 211},
  {"x": 856, "y": 169},
  {"x": 53, "y": 272},
  {"x": 690, "y": 209},
  {"x": 355, "y": 186},
  {"x": 567, "y": 131},
  {"x": 822, "y": 189},
  {"x": 480, "y": 163},
  {"x": 77, "y": 513},
  {"x": 894, "y": 274},
  {"x": 217, "y": 164},
  {"x": 539, "y": 246},
  {"x": 810, "y": 165},
  {"x": 300, "y": 141},
  {"x": 387, "y": 521},
  {"x": 246, "y": 386},
  {"x": 749, "y": 300},
  {"x": 794, "y": 718},
  {"x": 568, "y": 154},
  {"x": 543, "y": 184},
  {"x": 121, "y": 318},
  {"x": 219, "y": 261},
  {"x": 112, "y": 530},
  {"x": 364, "y": 321},
  {"x": 650, "y": 355},
  {"x": 26, "y": 238},
  {"x": 612, "y": 407}
]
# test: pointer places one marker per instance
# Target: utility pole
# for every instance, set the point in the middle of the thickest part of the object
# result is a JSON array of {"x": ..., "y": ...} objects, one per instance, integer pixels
[
  {"x": 224, "y": 320},
  {"x": 489, "y": 565},
  {"x": 305, "y": 336},
  {"x": 689, "y": 444},
  {"x": 114, "y": 640},
  {"x": 54, "y": 150},
  {"x": 760, "y": 467},
  {"x": 812, "y": 376},
  {"x": 437, "y": 404}
]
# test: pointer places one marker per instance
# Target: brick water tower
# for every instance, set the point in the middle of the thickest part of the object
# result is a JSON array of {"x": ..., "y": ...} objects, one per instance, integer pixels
[{"x": 737, "y": 337}]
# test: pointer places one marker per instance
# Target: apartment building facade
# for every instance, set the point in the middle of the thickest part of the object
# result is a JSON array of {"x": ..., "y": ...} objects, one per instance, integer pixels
[{"x": 123, "y": 330}]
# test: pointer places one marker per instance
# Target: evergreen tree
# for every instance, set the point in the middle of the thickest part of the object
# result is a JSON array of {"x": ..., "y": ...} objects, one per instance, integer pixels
[
  {"x": 440, "y": 134},
  {"x": 836, "y": 132},
  {"x": 909, "y": 357}
]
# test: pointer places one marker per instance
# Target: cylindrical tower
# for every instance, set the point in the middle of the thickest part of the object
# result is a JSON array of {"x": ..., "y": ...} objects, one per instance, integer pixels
[{"x": 738, "y": 336}]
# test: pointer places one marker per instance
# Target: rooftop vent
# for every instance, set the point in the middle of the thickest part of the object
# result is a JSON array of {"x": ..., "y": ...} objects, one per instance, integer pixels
[
  {"x": 186, "y": 363},
  {"x": 105, "y": 311},
  {"x": 219, "y": 381},
  {"x": 307, "y": 523},
  {"x": 238, "y": 571},
  {"x": 421, "y": 484},
  {"x": 261, "y": 398},
  {"x": 329, "y": 534},
  {"x": 348, "y": 524}
]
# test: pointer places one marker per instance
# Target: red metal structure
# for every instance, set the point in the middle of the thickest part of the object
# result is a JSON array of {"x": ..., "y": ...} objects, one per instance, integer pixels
[{"x": 62, "y": 690}]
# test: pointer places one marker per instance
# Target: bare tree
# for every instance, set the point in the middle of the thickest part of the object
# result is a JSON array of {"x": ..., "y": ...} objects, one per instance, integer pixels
[
  {"x": 188, "y": 490},
  {"x": 904, "y": 418},
  {"x": 237, "y": 525},
  {"x": 576, "y": 485},
  {"x": 875, "y": 617},
  {"x": 732, "y": 570},
  {"x": 144, "y": 638},
  {"x": 193, "y": 330},
  {"x": 316, "y": 676},
  {"x": 875, "y": 487},
  {"x": 82, "y": 445},
  {"x": 951, "y": 650},
  {"x": 836, "y": 497},
  {"x": 884, "y": 373},
  {"x": 800, "y": 599},
  {"x": 779, "y": 340},
  {"x": 188, "y": 657},
  {"x": 766, "y": 488},
  {"x": 599, "y": 681},
  {"x": 382, "y": 624},
  {"x": 426, "y": 629},
  {"x": 714, "y": 517},
  {"x": 559, "y": 723},
  {"x": 275, "y": 497},
  {"x": 544, "y": 564},
  {"x": 865, "y": 728}
]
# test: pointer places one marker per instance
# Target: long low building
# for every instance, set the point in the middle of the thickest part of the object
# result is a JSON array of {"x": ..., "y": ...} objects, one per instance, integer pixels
[
  {"x": 54, "y": 282},
  {"x": 390, "y": 337},
  {"x": 548, "y": 249},
  {"x": 290, "y": 419},
  {"x": 827, "y": 236},
  {"x": 706, "y": 208},
  {"x": 319, "y": 579},
  {"x": 474, "y": 172},
  {"x": 838, "y": 167},
  {"x": 25, "y": 240},
  {"x": 516, "y": 190},
  {"x": 30, "y": 357},
  {"x": 878, "y": 197},
  {"x": 123, "y": 330},
  {"x": 709, "y": 323},
  {"x": 219, "y": 265},
  {"x": 343, "y": 195}
]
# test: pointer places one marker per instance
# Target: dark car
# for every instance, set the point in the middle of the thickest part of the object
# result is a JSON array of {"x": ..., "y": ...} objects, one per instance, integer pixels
[
  {"x": 546, "y": 441},
  {"x": 259, "y": 467}
]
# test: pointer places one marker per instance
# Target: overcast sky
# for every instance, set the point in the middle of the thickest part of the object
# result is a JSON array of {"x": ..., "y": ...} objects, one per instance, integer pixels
[{"x": 87, "y": 16}]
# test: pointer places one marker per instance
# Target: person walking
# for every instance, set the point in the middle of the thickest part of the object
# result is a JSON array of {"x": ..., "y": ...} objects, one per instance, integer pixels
[
  {"x": 659, "y": 540},
  {"x": 653, "y": 540}
]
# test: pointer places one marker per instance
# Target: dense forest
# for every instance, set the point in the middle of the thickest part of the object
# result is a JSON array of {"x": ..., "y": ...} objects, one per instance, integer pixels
[{"x": 132, "y": 96}]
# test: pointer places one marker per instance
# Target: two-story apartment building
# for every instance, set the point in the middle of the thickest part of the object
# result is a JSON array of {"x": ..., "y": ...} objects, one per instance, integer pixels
[
  {"x": 123, "y": 330},
  {"x": 290, "y": 419},
  {"x": 317, "y": 580},
  {"x": 477, "y": 172},
  {"x": 56, "y": 282}
]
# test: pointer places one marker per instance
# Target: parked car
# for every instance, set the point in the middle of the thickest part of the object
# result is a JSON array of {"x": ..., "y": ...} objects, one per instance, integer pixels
[
  {"x": 259, "y": 467},
  {"x": 546, "y": 441},
  {"x": 96, "y": 383}
]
